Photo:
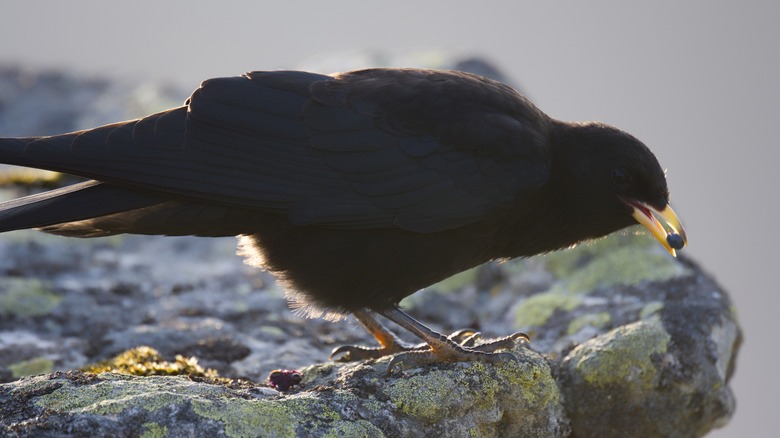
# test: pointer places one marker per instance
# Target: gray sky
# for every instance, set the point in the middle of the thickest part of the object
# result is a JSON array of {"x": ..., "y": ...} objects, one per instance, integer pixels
[{"x": 697, "y": 81}]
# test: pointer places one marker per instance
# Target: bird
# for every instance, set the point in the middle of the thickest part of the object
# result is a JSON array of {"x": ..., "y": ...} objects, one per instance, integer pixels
[{"x": 355, "y": 189}]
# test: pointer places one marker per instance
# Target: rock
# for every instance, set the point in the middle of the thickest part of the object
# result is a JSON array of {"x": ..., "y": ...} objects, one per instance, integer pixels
[
  {"x": 352, "y": 400},
  {"x": 626, "y": 340}
]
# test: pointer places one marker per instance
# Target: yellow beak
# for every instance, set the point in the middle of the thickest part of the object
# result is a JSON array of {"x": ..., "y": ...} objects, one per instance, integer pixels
[{"x": 645, "y": 215}]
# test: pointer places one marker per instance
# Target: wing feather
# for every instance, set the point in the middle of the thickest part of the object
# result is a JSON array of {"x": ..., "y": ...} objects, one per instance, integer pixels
[{"x": 416, "y": 149}]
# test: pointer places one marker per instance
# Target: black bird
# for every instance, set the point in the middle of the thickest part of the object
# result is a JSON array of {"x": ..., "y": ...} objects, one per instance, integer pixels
[{"x": 355, "y": 189}]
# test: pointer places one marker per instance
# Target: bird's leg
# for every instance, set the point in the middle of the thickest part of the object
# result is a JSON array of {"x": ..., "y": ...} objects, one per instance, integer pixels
[
  {"x": 388, "y": 341},
  {"x": 464, "y": 342},
  {"x": 446, "y": 349}
]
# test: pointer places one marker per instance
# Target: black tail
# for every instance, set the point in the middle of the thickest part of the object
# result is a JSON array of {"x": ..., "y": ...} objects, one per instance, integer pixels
[
  {"x": 12, "y": 150},
  {"x": 69, "y": 204},
  {"x": 94, "y": 209}
]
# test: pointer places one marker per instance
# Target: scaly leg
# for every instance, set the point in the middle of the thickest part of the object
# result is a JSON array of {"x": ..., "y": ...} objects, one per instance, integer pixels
[
  {"x": 459, "y": 346},
  {"x": 388, "y": 341},
  {"x": 445, "y": 349}
]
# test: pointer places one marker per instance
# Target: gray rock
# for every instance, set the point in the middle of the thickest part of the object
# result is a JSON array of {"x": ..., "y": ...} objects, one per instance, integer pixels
[
  {"x": 625, "y": 341},
  {"x": 354, "y": 400}
]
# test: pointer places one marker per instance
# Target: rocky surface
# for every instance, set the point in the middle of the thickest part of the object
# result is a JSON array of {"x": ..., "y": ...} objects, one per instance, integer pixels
[{"x": 626, "y": 341}]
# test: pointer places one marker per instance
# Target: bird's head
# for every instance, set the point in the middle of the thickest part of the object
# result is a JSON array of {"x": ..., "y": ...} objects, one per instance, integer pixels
[{"x": 614, "y": 180}]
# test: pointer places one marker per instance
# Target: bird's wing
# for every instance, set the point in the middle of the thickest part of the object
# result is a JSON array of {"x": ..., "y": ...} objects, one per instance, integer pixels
[{"x": 420, "y": 150}]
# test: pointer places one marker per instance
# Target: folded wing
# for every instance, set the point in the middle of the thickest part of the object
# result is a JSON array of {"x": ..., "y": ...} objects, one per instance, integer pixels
[{"x": 420, "y": 150}]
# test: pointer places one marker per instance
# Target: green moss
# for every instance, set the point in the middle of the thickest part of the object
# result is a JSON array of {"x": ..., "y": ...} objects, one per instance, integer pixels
[
  {"x": 154, "y": 430},
  {"x": 146, "y": 361},
  {"x": 597, "y": 320},
  {"x": 38, "y": 365},
  {"x": 26, "y": 297},
  {"x": 622, "y": 356}
]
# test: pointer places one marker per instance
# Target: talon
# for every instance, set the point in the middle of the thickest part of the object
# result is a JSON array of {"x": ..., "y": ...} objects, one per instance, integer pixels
[
  {"x": 347, "y": 349},
  {"x": 520, "y": 335},
  {"x": 396, "y": 361}
]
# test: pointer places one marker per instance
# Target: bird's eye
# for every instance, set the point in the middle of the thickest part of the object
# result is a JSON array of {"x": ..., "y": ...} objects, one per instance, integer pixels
[{"x": 620, "y": 177}]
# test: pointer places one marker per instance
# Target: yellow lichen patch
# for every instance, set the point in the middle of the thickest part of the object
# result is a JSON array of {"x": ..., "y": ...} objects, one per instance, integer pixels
[
  {"x": 624, "y": 266},
  {"x": 622, "y": 356},
  {"x": 623, "y": 258},
  {"x": 146, "y": 361},
  {"x": 442, "y": 394},
  {"x": 114, "y": 393},
  {"x": 278, "y": 418},
  {"x": 249, "y": 419},
  {"x": 533, "y": 376},
  {"x": 427, "y": 397}
]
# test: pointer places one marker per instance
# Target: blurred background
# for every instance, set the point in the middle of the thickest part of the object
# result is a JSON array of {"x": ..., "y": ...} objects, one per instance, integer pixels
[{"x": 698, "y": 82}]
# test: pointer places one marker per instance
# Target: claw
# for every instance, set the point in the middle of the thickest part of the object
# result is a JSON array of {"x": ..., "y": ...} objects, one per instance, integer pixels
[
  {"x": 520, "y": 335},
  {"x": 348, "y": 351}
]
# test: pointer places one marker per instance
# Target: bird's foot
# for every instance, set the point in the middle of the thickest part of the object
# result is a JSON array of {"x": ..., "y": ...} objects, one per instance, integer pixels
[
  {"x": 460, "y": 346},
  {"x": 393, "y": 345},
  {"x": 446, "y": 349}
]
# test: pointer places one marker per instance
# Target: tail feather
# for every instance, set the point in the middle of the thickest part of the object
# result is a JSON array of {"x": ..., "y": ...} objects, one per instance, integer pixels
[
  {"x": 12, "y": 149},
  {"x": 95, "y": 209},
  {"x": 72, "y": 203}
]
